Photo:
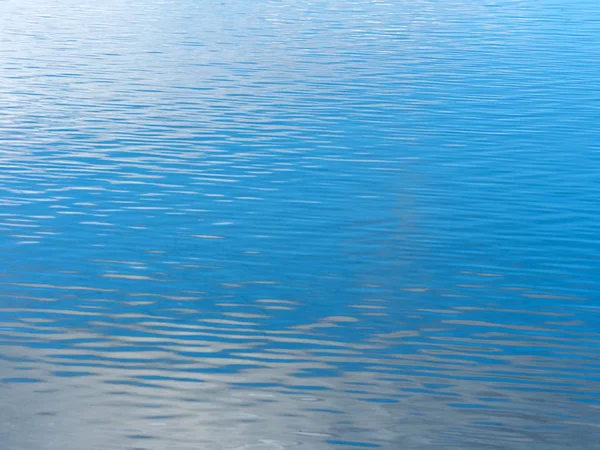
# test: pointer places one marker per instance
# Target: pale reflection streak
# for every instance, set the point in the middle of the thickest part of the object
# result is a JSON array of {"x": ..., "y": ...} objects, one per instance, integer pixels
[{"x": 158, "y": 376}]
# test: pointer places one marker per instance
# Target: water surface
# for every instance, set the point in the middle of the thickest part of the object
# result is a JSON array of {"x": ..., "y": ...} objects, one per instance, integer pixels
[{"x": 320, "y": 225}]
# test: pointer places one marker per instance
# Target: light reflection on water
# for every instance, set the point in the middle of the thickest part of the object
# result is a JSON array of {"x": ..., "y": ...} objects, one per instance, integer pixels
[{"x": 314, "y": 225}]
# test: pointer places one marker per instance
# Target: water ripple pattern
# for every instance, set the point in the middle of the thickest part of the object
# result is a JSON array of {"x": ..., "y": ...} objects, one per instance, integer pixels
[{"x": 311, "y": 225}]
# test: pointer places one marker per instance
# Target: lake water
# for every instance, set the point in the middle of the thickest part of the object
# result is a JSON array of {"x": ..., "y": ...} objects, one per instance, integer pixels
[{"x": 311, "y": 225}]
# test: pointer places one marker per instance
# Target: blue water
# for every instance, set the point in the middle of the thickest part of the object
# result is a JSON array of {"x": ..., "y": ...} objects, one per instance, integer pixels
[{"x": 313, "y": 224}]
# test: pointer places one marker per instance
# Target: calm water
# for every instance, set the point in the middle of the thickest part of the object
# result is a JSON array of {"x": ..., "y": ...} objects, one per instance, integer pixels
[{"x": 311, "y": 225}]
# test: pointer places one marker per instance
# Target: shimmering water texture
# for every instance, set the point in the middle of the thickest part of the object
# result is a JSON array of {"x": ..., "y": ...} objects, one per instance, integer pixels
[{"x": 311, "y": 225}]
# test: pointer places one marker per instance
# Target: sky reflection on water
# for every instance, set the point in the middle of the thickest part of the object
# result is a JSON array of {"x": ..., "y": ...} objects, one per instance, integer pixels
[{"x": 316, "y": 225}]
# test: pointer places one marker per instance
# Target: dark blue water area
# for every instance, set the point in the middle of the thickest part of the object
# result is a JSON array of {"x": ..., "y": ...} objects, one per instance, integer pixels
[{"x": 299, "y": 225}]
